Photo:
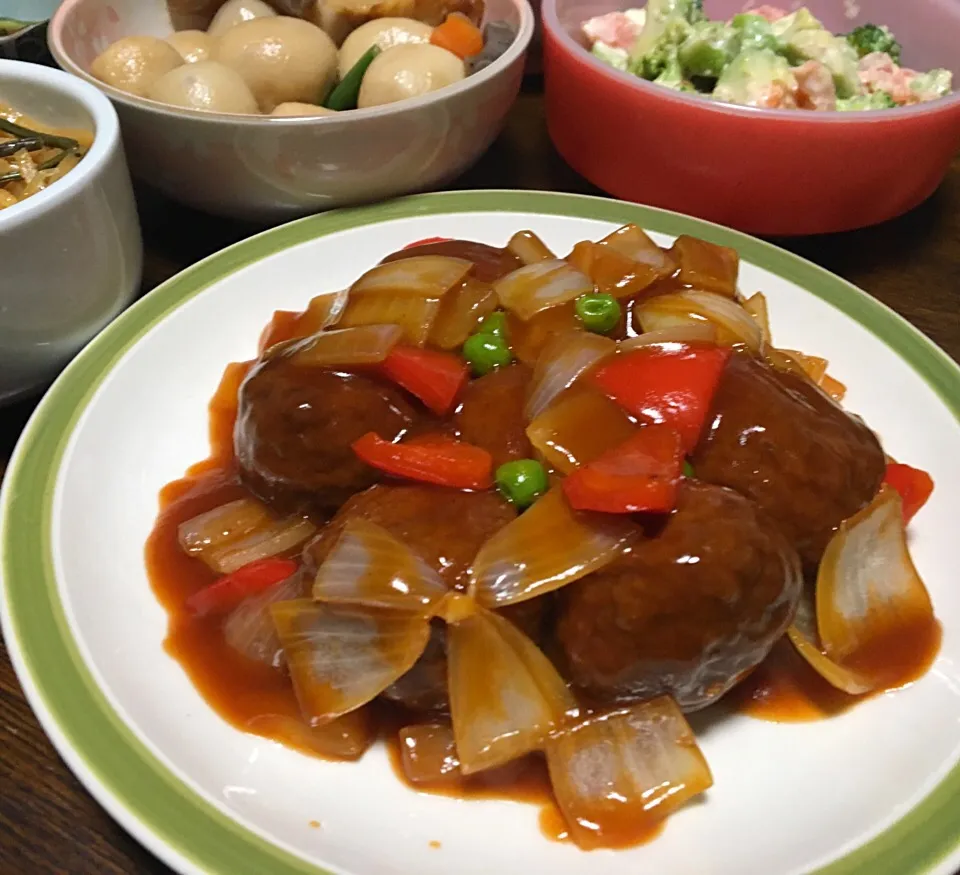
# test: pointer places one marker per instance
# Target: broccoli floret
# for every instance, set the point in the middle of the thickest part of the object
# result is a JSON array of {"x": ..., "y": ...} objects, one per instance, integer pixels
[
  {"x": 874, "y": 38},
  {"x": 834, "y": 52},
  {"x": 710, "y": 46},
  {"x": 689, "y": 10},
  {"x": 876, "y": 100},
  {"x": 802, "y": 19},
  {"x": 930, "y": 86},
  {"x": 672, "y": 77},
  {"x": 657, "y": 46},
  {"x": 614, "y": 57},
  {"x": 755, "y": 32},
  {"x": 758, "y": 77}
]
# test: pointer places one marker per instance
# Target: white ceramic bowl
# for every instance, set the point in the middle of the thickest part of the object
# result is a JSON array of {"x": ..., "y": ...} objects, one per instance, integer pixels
[
  {"x": 70, "y": 256},
  {"x": 270, "y": 169}
]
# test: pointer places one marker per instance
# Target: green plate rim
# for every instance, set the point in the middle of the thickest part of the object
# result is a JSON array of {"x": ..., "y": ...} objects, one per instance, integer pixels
[{"x": 171, "y": 819}]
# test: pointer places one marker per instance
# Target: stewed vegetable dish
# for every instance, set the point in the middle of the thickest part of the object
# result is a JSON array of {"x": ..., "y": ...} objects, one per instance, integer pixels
[
  {"x": 33, "y": 156},
  {"x": 519, "y": 514},
  {"x": 312, "y": 60}
]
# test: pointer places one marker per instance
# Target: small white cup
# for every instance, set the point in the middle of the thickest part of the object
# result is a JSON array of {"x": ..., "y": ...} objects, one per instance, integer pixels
[{"x": 70, "y": 256}]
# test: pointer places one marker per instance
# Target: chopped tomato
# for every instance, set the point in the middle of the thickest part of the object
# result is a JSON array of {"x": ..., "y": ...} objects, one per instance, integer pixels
[
  {"x": 436, "y": 378},
  {"x": 615, "y": 29},
  {"x": 670, "y": 383},
  {"x": 427, "y": 240},
  {"x": 226, "y": 593},
  {"x": 639, "y": 475},
  {"x": 915, "y": 487},
  {"x": 439, "y": 460}
]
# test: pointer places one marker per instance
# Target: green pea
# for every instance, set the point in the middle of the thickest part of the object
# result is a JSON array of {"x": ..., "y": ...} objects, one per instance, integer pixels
[
  {"x": 599, "y": 313},
  {"x": 495, "y": 324},
  {"x": 522, "y": 482},
  {"x": 688, "y": 469},
  {"x": 486, "y": 353}
]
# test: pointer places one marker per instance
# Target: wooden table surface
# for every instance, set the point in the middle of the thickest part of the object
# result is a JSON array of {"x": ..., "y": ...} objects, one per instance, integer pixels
[{"x": 48, "y": 823}]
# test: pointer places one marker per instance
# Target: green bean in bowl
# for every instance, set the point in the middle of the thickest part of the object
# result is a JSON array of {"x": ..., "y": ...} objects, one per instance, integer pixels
[{"x": 764, "y": 57}]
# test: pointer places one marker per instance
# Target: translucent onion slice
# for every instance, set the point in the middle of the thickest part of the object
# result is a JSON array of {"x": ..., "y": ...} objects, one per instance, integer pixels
[
  {"x": 369, "y": 566},
  {"x": 870, "y": 600},
  {"x": 278, "y": 538},
  {"x": 346, "y": 738},
  {"x": 756, "y": 306},
  {"x": 733, "y": 323},
  {"x": 249, "y": 627},
  {"x": 578, "y": 428},
  {"x": 505, "y": 695},
  {"x": 528, "y": 339},
  {"x": 529, "y": 248},
  {"x": 803, "y": 635},
  {"x": 548, "y": 546},
  {"x": 341, "y": 657},
  {"x": 414, "y": 315},
  {"x": 364, "y": 345},
  {"x": 834, "y": 388},
  {"x": 814, "y": 367},
  {"x": 632, "y": 241},
  {"x": 428, "y": 753},
  {"x": 222, "y": 526},
  {"x": 614, "y": 775},
  {"x": 566, "y": 356},
  {"x": 461, "y": 312},
  {"x": 612, "y": 272},
  {"x": 420, "y": 276},
  {"x": 322, "y": 312},
  {"x": 706, "y": 265},
  {"x": 535, "y": 287},
  {"x": 691, "y": 332}
]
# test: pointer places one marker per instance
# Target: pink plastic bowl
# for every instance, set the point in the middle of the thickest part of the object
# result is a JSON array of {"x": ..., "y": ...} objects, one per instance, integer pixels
[{"x": 774, "y": 172}]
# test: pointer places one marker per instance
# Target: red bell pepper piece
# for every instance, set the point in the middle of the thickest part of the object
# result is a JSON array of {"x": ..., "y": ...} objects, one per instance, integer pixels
[
  {"x": 428, "y": 240},
  {"x": 226, "y": 593},
  {"x": 436, "y": 378},
  {"x": 443, "y": 461},
  {"x": 639, "y": 475},
  {"x": 915, "y": 487},
  {"x": 671, "y": 384}
]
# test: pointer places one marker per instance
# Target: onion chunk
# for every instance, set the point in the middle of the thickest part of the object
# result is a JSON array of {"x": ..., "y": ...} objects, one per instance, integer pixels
[
  {"x": 341, "y": 657},
  {"x": 566, "y": 357},
  {"x": 706, "y": 265},
  {"x": 505, "y": 695},
  {"x": 633, "y": 241},
  {"x": 363, "y": 345},
  {"x": 428, "y": 753},
  {"x": 369, "y": 566},
  {"x": 461, "y": 312},
  {"x": 578, "y": 428},
  {"x": 413, "y": 316},
  {"x": 547, "y": 547},
  {"x": 614, "y": 775},
  {"x": 535, "y": 287},
  {"x": 734, "y": 325},
  {"x": 529, "y": 248},
  {"x": 249, "y": 628},
  {"x": 870, "y": 600},
  {"x": 420, "y": 276}
]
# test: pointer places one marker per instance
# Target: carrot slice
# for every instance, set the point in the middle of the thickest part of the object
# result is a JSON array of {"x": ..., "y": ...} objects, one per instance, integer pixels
[{"x": 458, "y": 34}]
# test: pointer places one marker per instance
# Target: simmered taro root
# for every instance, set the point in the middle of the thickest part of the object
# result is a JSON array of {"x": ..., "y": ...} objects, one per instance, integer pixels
[
  {"x": 491, "y": 414},
  {"x": 777, "y": 439},
  {"x": 688, "y": 611},
  {"x": 295, "y": 425},
  {"x": 447, "y": 528}
]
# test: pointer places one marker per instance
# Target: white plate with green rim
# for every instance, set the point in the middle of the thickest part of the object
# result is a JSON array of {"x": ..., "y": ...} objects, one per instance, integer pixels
[{"x": 875, "y": 791}]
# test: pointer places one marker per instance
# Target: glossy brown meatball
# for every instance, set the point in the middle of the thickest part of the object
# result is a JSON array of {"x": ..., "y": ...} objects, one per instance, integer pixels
[
  {"x": 447, "y": 528},
  {"x": 689, "y": 610},
  {"x": 777, "y": 439},
  {"x": 295, "y": 426},
  {"x": 489, "y": 263},
  {"x": 491, "y": 415}
]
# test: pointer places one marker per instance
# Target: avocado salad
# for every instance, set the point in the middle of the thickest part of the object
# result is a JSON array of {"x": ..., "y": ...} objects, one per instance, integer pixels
[{"x": 766, "y": 57}]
